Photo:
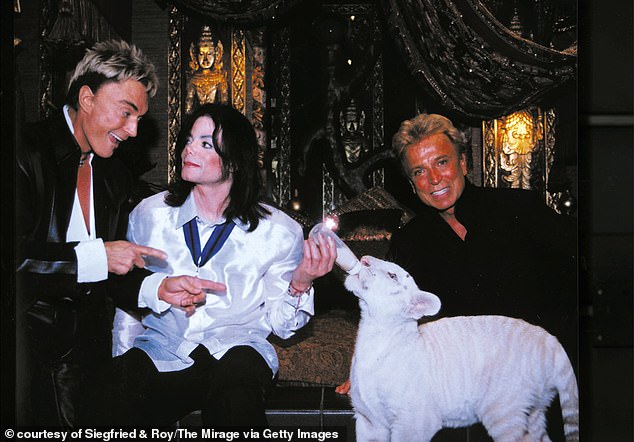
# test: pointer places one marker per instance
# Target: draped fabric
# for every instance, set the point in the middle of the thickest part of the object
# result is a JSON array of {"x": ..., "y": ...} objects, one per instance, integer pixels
[
  {"x": 460, "y": 54},
  {"x": 238, "y": 12},
  {"x": 469, "y": 62}
]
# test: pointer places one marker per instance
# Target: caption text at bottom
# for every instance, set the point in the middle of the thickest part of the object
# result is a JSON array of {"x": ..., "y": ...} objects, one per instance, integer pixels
[{"x": 177, "y": 434}]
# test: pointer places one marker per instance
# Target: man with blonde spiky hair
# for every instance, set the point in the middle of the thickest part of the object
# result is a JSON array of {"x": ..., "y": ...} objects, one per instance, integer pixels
[{"x": 70, "y": 225}]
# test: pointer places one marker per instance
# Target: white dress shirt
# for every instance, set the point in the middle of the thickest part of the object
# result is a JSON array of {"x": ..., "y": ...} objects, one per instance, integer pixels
[
  {"x": 92, "y": 261},
  {"x": 255, "y": 266}
]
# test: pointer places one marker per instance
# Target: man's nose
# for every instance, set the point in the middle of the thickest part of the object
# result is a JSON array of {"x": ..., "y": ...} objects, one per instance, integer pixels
[
  {"x": 131, "y": 127},
  {"x": 434, "y": 176}
]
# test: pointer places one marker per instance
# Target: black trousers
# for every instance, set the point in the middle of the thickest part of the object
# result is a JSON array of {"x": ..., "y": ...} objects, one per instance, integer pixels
[
  {"x": 60, "y": 341},
  {"x": 229, "y": 391}
]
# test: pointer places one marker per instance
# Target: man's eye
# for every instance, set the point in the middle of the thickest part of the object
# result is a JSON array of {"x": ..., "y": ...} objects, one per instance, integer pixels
[
  {"x": 207, "y": 145},
  {"x": 417, "y": 172}
]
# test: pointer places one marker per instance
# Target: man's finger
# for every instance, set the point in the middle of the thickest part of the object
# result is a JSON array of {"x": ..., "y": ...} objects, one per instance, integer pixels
[
  {"x": 211, "y": 286},
  {"x": 198, "y": 299},
  {"x": 149, "y": 251},
  {"x": 138, "y": 262}
]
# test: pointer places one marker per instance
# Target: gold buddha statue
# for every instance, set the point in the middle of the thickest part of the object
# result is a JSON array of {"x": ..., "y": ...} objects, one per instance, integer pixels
[{"x": 208, "y": 81}]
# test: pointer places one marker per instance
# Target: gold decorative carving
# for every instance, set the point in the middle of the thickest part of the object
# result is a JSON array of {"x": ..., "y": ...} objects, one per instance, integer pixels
[
  {"x": 520, "y": 133},
  {"x": 489, "y": 156},
  {"x": 238, "y": 70},
  {"x": 174, "y": 85},
  {"x": 207, "y": 79},
  {"x": 550, "y": 117},
  {"x": 259, "y": 92},
  {"x": 519, "y": 149}
]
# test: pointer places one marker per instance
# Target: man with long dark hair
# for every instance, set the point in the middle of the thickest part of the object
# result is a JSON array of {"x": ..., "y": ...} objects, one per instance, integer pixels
[{"x": 214, "y": 355}]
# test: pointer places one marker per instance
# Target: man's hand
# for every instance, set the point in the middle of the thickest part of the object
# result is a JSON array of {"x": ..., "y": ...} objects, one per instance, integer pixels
[
  {"x": 123, "y": 256},
  {"x": 187, "y": 292},
  {"x": 319, "y": 258},
  {"x": 344, "y": 388}
]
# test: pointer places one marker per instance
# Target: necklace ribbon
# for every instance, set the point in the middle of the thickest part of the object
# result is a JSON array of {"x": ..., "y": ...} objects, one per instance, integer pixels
[{"x": 214, "y": 243}]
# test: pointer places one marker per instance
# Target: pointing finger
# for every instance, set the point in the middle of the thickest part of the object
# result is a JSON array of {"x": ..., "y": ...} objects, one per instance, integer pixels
[
  {"x": 211, "y": 286},
  {"x": 150, "y": 251}
]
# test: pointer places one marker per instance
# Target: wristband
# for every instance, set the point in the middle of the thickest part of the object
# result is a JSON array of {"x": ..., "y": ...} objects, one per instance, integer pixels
[{"x": 294, "y": 292}]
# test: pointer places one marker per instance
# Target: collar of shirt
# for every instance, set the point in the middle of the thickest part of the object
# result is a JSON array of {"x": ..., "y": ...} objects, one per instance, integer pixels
[
  {"x": 68, "y": 121},
  {"x": 72, "y": 131},
  {"x": 189, "y": 211}
]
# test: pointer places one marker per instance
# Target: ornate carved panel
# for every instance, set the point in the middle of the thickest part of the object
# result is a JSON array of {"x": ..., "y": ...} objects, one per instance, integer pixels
[
  {"x": 281, "y": 118},
  {"x": 175, "y": 88},
  {"x": 238, "y": 70},
  {"x": 214, "y": 62},
  {"x": 518, "y": 151}
]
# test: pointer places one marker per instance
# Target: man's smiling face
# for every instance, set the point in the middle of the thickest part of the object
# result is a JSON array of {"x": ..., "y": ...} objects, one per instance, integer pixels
[
  {"x": 436, "y": 171},
  {"x": 110, "y": 116}
]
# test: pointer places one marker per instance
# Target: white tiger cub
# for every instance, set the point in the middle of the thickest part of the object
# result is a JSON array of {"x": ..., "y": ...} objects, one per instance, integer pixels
[{"x": 409, "y": 381}]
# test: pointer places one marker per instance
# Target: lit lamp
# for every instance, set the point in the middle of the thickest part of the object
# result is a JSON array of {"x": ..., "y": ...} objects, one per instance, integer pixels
[
  {"x": 512, "y": 147},
  {"x": 518, "y": 151},
  {"x": 519, "y": 134},
  {"x": 296, "y": 204}
]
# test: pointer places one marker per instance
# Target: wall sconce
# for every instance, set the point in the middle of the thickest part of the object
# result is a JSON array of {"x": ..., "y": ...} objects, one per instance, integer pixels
[
  {"x": 518, "y": 149},
  {"x": 518, "y": 152},
  {"x": 519, "y": 134},
  {"x": 296, "y": 203}
]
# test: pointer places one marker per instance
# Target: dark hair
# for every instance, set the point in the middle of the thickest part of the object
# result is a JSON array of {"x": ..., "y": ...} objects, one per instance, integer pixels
[{"x": 238, "y": 150}]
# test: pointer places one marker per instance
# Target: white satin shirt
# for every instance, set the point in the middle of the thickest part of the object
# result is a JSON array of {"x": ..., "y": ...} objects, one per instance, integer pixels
[{"x": 255, "y": 266}]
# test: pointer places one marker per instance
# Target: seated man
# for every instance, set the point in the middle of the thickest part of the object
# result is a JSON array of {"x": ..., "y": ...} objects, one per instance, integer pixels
[
  {"x": 482, "y": 250},
  {"x": 212, "y": 354}
]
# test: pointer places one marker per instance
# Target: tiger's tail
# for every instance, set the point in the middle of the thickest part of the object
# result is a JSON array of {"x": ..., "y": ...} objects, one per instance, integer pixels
[{"x": 568, "y": 395}]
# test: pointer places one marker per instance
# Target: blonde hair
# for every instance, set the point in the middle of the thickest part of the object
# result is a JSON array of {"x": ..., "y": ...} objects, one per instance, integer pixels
[
  {"x": 422, "y": 126},
  {"x": 113, "y": 60}
]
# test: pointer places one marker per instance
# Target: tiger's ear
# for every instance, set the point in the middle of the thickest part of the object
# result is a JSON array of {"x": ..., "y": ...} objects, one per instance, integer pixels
[{"x": 422, "y": 304}]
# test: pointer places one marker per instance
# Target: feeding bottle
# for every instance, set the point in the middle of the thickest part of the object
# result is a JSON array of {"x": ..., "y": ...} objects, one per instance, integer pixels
[{"x": 346, "y": 259}]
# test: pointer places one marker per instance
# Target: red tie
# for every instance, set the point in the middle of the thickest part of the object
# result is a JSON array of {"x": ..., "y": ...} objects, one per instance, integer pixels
[{"x": 83, "y": 190}]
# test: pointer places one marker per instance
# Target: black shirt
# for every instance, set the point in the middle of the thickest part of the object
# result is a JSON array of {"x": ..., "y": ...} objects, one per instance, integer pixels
[{"x": 518, "y": 259}]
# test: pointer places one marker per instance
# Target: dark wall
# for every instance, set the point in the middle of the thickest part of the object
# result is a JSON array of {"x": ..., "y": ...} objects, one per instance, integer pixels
[
  {"x": 150, "y": 33},
  {"x": 606, "y": 139},
  {"x": 606, "y": 157}
]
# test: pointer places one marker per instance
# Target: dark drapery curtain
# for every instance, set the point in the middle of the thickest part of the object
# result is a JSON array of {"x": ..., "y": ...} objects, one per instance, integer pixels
[
  {"x": 459, "y": 53},
  {"x": 469, "y": 62},
  {"x": 237, "y": 11}
]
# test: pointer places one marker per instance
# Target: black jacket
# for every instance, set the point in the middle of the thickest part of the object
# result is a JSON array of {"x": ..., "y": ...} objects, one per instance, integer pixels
[
  {"x": 47, "y": 161},
  {"x": 518, "y": 259}
]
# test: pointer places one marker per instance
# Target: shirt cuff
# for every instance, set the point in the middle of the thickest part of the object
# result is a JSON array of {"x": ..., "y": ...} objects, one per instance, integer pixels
[
  {"x": 92, "y": 261},
  {"x": 148, "y": 294},
  {"x": 303, "y": 302}
]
